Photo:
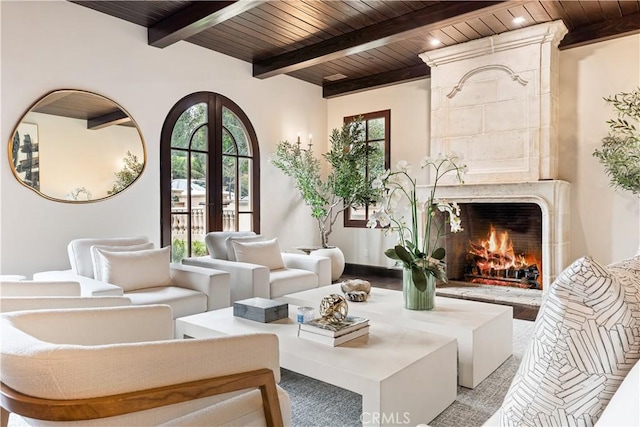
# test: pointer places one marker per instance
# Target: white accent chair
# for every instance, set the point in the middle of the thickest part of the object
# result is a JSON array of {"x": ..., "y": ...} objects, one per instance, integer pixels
[
  {"x": 295, "y": 273},
  {"x": 188, "y": 289},
  {"x": 120, "y": 366},
  {"x": 32, "y": 288},
  {"x": 33, "y": 295},
  {"x": 12, "y": 277}
]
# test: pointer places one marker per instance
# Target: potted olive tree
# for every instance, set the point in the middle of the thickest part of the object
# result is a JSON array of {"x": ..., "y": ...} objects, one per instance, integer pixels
[
  {"x": 620, "y": 151},
  {"x": 347, "y": 185}
]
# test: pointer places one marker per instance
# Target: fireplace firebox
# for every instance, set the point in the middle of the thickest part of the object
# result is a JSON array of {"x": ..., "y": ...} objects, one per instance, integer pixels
[{"x": 501, "y": 244}]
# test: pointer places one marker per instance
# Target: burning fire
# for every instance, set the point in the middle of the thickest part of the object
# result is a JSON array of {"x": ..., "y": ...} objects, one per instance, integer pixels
[{"x": 496, "y": 253}]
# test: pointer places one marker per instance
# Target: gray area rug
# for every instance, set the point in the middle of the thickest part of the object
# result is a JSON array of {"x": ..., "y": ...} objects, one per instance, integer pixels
[{"x": 318, "y": 404}]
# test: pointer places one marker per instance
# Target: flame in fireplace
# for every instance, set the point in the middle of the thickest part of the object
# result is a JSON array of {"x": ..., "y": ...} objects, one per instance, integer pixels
[{"x": 496, "y": 253}]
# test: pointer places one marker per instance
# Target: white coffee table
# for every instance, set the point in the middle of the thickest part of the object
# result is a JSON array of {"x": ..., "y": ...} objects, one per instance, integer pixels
[
  {"x": 484, "y": 331},
  {"x": 405, "y": 376}
]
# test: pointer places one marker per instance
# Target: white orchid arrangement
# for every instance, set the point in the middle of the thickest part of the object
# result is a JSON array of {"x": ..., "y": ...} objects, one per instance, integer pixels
[{"x": 417, "y": 249}]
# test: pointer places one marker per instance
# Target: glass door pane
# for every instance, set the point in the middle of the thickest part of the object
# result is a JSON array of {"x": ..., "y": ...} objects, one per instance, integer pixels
[
  {"x": 189, "y": 157},
  {"x": 245, "y": 194},
  {"x": 229, "y": 217}
]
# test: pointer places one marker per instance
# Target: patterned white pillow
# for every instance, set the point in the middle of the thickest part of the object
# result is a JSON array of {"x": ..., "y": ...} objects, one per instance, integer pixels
[
  {"x": 134, "y": 270},
  {"x": 631, "y": 265},
  {"x": 586, "y": 339}
]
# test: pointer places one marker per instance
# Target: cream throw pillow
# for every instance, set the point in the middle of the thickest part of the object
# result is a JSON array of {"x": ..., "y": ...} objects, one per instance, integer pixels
[
  {"x": 231, "y": 252},
  {"x": 265, "y": 253},
  {"x": 97, "y": 269},
  {"x": 134, "y": 270}
]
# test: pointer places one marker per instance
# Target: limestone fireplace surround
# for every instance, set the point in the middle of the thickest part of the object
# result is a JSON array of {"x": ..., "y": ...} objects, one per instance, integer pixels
[
  {"x": 494, "y": 102},
  {"x": 553, "y": 197}
]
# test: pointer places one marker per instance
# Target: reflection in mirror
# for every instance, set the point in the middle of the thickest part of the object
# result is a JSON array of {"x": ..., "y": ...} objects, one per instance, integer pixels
[{"x": 76, "y": 146}]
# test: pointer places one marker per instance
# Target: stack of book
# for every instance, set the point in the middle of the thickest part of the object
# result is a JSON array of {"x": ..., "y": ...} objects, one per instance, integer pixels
[{"x": 334, "y": 333}]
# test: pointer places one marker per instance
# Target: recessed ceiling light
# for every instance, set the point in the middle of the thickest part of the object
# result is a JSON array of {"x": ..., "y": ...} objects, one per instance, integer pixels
[
  {"x": 518, "y": 20},
  {"x": 435, "y": 42},
  {"x": 334, "y": 77}
]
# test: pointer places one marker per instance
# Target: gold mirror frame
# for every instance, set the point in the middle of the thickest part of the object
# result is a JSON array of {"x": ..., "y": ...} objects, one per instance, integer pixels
[{"x": 87, "y": 138}]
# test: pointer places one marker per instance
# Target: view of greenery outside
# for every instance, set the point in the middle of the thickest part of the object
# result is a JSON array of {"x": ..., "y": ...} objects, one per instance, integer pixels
[
  {"x": 375, "y": 135},
  {"x": 375, "y": 126},
  {"x": 178, "y": 249},
  {"x": 193, "y": 120},
  {"x": 234, "y": 147}
]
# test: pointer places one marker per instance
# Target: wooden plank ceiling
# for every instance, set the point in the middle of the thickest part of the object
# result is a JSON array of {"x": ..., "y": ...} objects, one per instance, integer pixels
[
  {"x": 98, "y": 111},
  {"x": 353, "y": 45}
]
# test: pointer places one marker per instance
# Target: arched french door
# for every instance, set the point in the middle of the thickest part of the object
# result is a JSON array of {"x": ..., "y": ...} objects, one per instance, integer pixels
[{"x": 209, "y": 172}]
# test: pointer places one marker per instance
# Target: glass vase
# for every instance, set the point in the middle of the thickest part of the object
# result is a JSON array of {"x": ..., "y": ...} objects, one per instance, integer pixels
[{"x": 415, "y": 299}]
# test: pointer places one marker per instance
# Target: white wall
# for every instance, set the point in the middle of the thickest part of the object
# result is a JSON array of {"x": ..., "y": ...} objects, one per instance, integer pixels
[
  {"x": 60, "y": 45},
  {"x": 604, "y": 223}
]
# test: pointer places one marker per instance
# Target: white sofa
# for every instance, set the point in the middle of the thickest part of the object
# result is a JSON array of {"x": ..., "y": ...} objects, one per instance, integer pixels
[
  {"x": 622, "y": 411},
  {"x": 125, "y": 360},
  {"x": 271, "y": 274},
  {"x": 188, "y": 289},
  {"x": 35, "y": 295},
  {"x": 31, "y": 288}
]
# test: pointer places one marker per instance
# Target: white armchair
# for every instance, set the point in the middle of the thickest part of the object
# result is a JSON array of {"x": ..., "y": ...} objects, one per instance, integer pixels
[
  {"x": 121, "y": 366},
  {"x": 33, "y": 295},
  {"x": 131, "y": 267},
  {"x": 258, "y": 268},
  {"x": 31, "y": 288}
]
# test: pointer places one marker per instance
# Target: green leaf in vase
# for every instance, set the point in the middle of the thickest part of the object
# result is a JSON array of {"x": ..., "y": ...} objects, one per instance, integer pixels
[
  {"x": 403, "y": 254},
  {"x": 438, "y": 253},
  {"x": 419, "y": 278},
  {"x": 391, "y": 253}
]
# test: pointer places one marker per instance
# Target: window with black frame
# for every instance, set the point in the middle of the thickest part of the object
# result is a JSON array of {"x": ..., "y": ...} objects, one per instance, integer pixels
[
  {"x": 377, "y": 132},
  {"x": 210, "y": 173}
]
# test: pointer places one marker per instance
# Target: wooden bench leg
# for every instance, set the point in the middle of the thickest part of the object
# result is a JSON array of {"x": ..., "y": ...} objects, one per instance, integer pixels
[{"x": 4, "y": 418}]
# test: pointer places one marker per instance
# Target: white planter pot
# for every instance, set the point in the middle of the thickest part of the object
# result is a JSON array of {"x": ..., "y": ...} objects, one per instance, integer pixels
[{"x": 337, "y": 260}]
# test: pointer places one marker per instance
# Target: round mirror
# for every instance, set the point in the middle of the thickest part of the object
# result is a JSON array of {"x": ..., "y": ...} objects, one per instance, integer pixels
[{"x": 76, "y": 146}]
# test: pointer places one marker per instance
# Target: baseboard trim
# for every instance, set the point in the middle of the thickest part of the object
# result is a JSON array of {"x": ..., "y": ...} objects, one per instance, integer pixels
[{"x": 373, "y": 270}]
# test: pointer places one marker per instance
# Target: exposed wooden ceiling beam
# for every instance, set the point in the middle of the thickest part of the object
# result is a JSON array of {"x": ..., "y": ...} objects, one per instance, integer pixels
[
  {"x": 602, "y": 31},
  {"x": 373, "y": 36},
  {"x": 344, "y": 87},
  {"x": 195, "y": 18},
  {"x": 109, "y": 119}
]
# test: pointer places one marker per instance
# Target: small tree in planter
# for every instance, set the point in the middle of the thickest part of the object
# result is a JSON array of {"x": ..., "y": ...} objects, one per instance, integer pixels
[
  {"x": 347, "y": 185},
  {"x": 620, "y": 152}
]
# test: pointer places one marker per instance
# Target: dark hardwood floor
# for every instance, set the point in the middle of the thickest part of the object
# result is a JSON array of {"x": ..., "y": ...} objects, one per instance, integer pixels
[{"x": 521, "y": 312}]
